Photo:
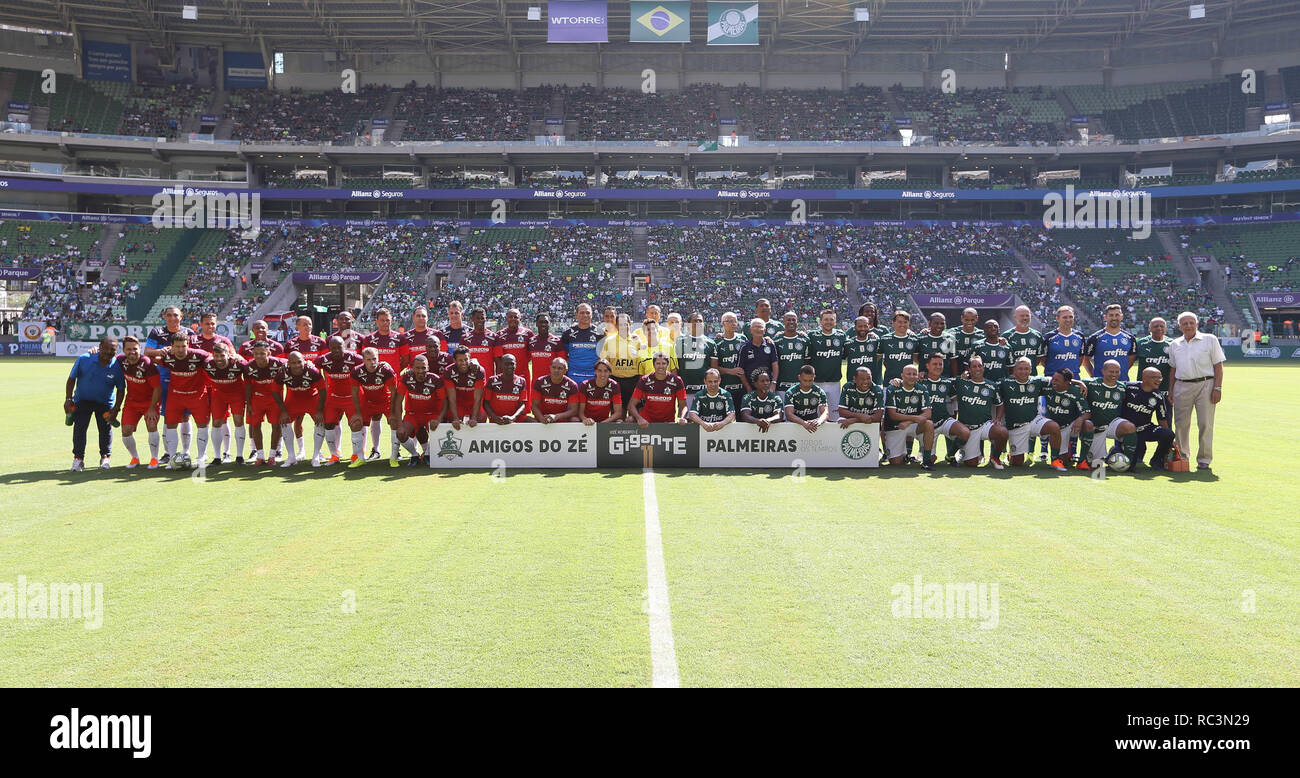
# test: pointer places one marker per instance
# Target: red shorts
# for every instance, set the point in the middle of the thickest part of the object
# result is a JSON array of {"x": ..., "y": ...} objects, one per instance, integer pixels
[
  {"x": 262, "y": 407},
  {"x": 419, "y": 421},
  {"x": 297, "y": 410},
  {"x": 133, "y": 412},
  {"x": 375, "y": 410},
  {"x": 336, "y": 409},
  {"x": 198, "y": 404},
  {"x": 224, "y": 405},
  {"x": 464, "y": 402}
]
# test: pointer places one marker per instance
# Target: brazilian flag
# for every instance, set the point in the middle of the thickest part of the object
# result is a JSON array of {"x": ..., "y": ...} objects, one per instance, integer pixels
[{"x": 661, "y": 22}]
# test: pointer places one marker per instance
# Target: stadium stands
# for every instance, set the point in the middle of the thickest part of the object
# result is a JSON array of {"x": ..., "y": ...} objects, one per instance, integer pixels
[
  {"x": 1257, "y": 258},
  {"x": 57, "y": 249},
  {"x": 302, "y": 117},
  {"x": 1001, "y": 115}
]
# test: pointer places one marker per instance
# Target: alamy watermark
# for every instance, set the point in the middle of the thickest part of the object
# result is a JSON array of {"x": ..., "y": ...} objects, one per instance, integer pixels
[
  {"x": 967, "y": 600},
  {"x": 1128, "y": 209},
  {"x": 185, "y": 207},
  {"x": 32, "y": 600}
]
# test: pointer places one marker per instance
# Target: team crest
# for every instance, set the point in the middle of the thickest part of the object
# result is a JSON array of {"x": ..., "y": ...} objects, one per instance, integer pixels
[
  {"x": 449, "y": 448},
  {"x": 855, "y": 444}
]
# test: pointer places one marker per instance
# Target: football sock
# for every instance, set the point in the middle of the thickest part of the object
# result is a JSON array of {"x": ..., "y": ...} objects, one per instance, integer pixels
[
  {"x": 239, "y": 440},
  {"x": 334, "y": 436},
  {"x": 302, "y": 447},
  {"x": 290, "y": 453},
  {"x": 397, "y": 446},
  {"x": 409, "y": 445},
  {"x": 169, "y": 437},
  {"x": 129, "y": 442},
  {"x": 186, "y": 433},
  {"x": 375, "y": 432},
  {"x": 153, "y": 444},
  {"x": 218, "y": 440},
  {"x": 202, "y": 439},
  {"x": 319, "y": 440},
  {"x": 359, "y": 443}
]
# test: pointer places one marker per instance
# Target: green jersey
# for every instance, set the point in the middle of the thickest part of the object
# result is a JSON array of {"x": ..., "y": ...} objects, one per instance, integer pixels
[
  {"x": 943, "y": 343},
  {"x": 790, "y": 352},
  {"x": 825, "y": 353},
  {"x": 975, "y": 401},
  {"x": 909, "y": 402},
  {"x": 1063, "y": 407},
  {"x": 1030, "y": 344},
  {"x": 806, "y": 404},
  {"x": 1104, "y": 401},
  {"x": 1019, "y": 401},
  {"x": 896, "y": 352},
  {"x": 1154, "y": 353},
  {"x": 965, "y": 342},
  {"x": 694, "y": 358},
  {"x": 773, "y": 328},
  {"x": 713, "y": 407},
  {"x": 860, "y": 353},
  {"x": 763, "y": 407},
  {"x": 881, "y": 330},
  {"x": 997, "y": 360},
  {"x": 862, "y": 402},
  {"x": 727, "y": 352},
  {"x": 938, "y": 390}
]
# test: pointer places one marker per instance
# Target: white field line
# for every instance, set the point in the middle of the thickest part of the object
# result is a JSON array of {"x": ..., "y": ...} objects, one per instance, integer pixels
[{"x": 663, "y": 654}]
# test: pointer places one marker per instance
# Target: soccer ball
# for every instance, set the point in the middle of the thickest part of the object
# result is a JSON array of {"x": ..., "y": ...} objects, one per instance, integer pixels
[{"x": 1118, "y": 461}]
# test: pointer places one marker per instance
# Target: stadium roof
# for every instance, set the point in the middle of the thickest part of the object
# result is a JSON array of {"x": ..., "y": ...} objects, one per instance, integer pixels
[{"x": 822, "y": 26}]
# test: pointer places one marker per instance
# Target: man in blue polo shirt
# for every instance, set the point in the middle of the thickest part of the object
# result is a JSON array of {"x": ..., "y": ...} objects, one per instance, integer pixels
[
  {"x": 1110, "y": 342},
  {"x": 96, "y": 388}
]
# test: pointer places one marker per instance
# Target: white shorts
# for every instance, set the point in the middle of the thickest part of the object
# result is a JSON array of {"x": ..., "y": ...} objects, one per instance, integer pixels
[
  {"x": 1099, "y": 446},
  {"x": 832, "y": 390},
  {"x": 896, "y": 440},
  {"x": 974, "y": 447},
  {"x": 944, "y": 427},
  {"x": 1018, "y": 438}
]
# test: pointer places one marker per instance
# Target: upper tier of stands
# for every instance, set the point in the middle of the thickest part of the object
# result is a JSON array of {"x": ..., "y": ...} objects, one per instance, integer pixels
[{"x": 1257, "y": 258}]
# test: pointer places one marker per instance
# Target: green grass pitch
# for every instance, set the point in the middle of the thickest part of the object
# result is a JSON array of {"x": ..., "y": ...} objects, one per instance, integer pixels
[{"x": 249, "y": 577}]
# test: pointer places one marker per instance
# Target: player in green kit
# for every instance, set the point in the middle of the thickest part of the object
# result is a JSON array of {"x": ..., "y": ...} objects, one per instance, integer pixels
[
  {"x": 805, "y": 404},
  {"x": 791, "y": 346},
  {"x": 825, "y": 355},
  {"x": 872, "y": 313},
  {"x": 712, "y": 408},
  {"x": 937, "y": 340},
  {"x": 763, "y": 310},
  {"x": 1105, "y": 399},
  {"x": 897, "y": 349},
  {"x": 994, "y": 353},
  {"x": 967, "y": 336},
  {"x": 907, "y": 412},
  {"x": 762, "y": 406},
  {"x": 695, "y": 352},
  {"x": 1019, "y": 413},
  {"x": 726, "y": 355},
  {"x": 938, "y": 387},
  {"x": 1153, "y": 351},
  {"x": 976, "y": 399},
  {"x": 1066, "y": 403},
  {"x": 1025, "y": 341},
  {"x": 860, "y": 347},
  {"x": 862, "y": 401}
]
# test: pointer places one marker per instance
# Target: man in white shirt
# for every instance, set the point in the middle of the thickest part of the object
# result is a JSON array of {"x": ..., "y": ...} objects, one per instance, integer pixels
[{"x": 1195, "y": 382}]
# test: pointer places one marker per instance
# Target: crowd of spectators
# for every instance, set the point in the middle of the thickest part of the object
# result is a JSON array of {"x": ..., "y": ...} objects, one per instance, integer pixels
[
  {"x": 468, "y": 114},
  {"x": 976, "y": 115},
  {"x": 161, "y": 111},
  {"x": 297, "y": 116},
  {"x": 858, "y": 114},
  {"x": 58, "y": 295}
]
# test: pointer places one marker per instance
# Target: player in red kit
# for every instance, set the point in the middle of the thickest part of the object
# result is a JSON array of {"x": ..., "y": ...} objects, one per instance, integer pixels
[
  {"x": 465, "y": 381},
  {"x": 505, "y": 398},
  {"x": 480, "y": 342},
  {"x": 187, "y": 392},
  {"x": 226, "y": 380},
  {"x": 543, "y": 348},
  {"x": 372, "y": 395},
  {"x": 422, "y": 340},
  {"x": 260, "y": 331},
  {"x": 600, "y": 398},
  {"x": 336, "y": 365},
  {"x": 512, "y": 339},
  {"x": 302, "y": 382},
  {"x": 388, "y": 344},
  {"x": 425, "y": 399},
  {"x": 143, "y": 393},
  {"x": 262, "y": 391},
  {"x": 555, "y": 396},
  {"x": 658, "y": 397},
  {"x": 310, "y": 346},
  {"x": 206, "y": 339}
]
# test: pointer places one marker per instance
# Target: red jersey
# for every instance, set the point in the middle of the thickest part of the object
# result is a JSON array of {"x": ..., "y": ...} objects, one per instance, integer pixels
[
  {"x": 481, "y": 347},
  {"x": 227, "y": 380},
  {"x": 473, "y": 377},
  {"x": 338, "y": 374},
  {"x": 428, "y": 342},
  {"x": 265, "y": 380},
  {"x": 376, "y": 387},
  {"x": 274, "y": 349},
  {"x": 389, "y": 347},
  {"x": 351, "y": 339},
  {"x": 599, "y": 399},
  {"x": 542, "y": 352},
  {"x": 187, "y": 374},
  {"x": 555, "y": 398},
  {"x": 505, "y": 399},
  {"x": 516, "y": 343},
  {"x": 310, "y": 348},
  {"x": 657, "y": 400},
  {"x": 209, "y": 344},
  {"x": 423, "y": 398},
  {"x": 303, "y": 390},
  {"x": 141, "y": 379}
]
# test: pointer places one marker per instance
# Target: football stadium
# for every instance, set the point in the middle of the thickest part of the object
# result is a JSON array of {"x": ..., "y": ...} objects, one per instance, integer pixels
[{"x": 663, "y": 343}]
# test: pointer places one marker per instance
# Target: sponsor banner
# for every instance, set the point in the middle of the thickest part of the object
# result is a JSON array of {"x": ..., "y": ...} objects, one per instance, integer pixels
[
  {"x": 444, "y": 265},
  {"x": 30, "y": 331},
  {"x": 790, "y": 446},
  {"x": 733, "y": 24},
  {"x": 658, "y": 445},
  {"x": 337, "y": 278},
  {"x": 1200, "y": 260},
  {"x": 258, "y": 266},
  {"x": 106, "y": 61},
  {"x": 19, "y": 273},
  {"x": 660, "y": 22},
  {"x": 1278, "y": 106},
  {"x": 245, "y": 70},
  {"x": 577, "y": 21},
  {"x": 74, "y": 348},
  {"x": 727, "y": 121},
  {"x": 95, "y": 263},
  {"x": 641, "y": 266},
  {"x": 488, "y": 446},
  {"x": 902, "y": 121},
  {"x": 839, "y": 266},
  {"x": 14, "y": 105},
  {"x": 1039, "y": 266},
  {"x": 95, "y": 330},
  {"x": 23, "y": 350},
  {"x": 965, "y": 300},
  {"x": 555, "y": 121},
  {"x": 209, "y": 118},
  {"x": 1275, "y": 299},
  {"x": 1078, "y": 120},
  {"x": 379, "y": 121}
]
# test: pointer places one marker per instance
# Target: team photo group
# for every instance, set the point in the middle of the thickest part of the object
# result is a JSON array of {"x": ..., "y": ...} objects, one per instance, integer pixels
[{"x": 1081, "y": 401}]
